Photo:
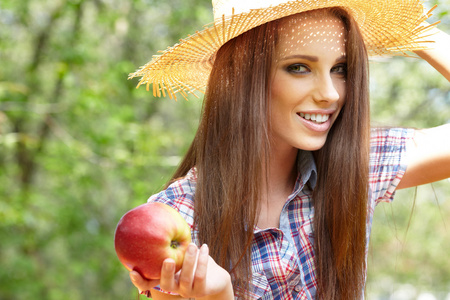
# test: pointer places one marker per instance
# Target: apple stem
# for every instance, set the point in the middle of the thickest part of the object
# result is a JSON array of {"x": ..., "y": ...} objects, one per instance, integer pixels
[{"x": 174, "y": 244}]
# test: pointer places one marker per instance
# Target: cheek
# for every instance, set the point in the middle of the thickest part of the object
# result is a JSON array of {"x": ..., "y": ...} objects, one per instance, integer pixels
[
  {"x": 279, "y": 110},
  {"x": 276, "y": 111},
  {"x": 280, "y": 105},
  {"x": 277, "y": 98},
  {"x": 342, "y": 90},
  {"x": 276, "y": 88},
  {"x": 285, "y": 93}
]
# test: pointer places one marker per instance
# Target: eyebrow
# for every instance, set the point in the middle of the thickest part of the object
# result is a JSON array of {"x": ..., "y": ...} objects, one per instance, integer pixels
[
  {"x": 311, "y": 58},
  {"x": 341, "y": 58},
  {"x": 307, "y": 57}
]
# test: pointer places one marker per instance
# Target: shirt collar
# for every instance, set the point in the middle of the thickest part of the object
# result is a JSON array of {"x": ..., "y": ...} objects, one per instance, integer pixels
[{"x": 307, "y": 170}]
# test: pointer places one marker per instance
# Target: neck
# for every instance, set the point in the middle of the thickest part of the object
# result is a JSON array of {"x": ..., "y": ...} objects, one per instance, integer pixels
[
  {"x": 282, "y": 173},
  {"x": 282, "y": 170},
  {"x": 281, "y": 177}
]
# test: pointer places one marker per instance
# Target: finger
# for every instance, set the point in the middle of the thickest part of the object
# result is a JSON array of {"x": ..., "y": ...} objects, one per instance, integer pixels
[
  {"x": 187, "y": 270},
  {"x": 141, "y": 283},
  {"x": 167, "y": 281},
  {"x": 201, "y": 270}
]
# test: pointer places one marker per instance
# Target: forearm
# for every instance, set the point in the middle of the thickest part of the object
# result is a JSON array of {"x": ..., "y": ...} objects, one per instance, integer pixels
[
  {"x": 438, "y": 55},
  {"x": 428, "y": 158}
]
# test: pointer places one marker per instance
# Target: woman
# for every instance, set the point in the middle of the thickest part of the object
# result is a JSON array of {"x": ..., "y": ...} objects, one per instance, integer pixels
[{"x": 284, "y": 148}]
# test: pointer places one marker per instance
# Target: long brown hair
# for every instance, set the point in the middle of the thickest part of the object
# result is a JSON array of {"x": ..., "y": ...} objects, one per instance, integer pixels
[
  {"x": 230, "y": 152},
  {"x": 230, "y": 148},
  {"x": 340, "y": 196}
]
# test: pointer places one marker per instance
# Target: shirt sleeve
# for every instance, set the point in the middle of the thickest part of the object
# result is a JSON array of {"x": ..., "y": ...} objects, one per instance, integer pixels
[
  {"x": 388, "y": 163},
  {"x": 180, "y": 195}
]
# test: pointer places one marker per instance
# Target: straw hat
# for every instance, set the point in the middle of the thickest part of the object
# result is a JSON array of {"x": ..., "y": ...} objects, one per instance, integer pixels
[{"x": 389, "y": 27}]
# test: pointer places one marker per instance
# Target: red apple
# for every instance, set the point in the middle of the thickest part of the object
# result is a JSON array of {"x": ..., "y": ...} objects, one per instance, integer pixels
[{"x": 148, "y": 234}]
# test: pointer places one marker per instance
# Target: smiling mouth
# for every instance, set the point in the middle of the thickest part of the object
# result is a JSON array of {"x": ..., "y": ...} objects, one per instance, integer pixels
[{"x": 316, "y": 118}]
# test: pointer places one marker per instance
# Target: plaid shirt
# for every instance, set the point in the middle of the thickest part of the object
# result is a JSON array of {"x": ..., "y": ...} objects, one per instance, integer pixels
[{"x": 283, "y": 258}]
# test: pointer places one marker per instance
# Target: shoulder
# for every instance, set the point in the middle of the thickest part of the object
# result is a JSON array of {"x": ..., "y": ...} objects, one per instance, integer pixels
[
  {"x": 180, "y": 195},
  {"x": 389, "y": 145},
  {"x": 388, "y": 163},
  {"x": 387, "y": 142},
  {"x": 390, "y": 136}
]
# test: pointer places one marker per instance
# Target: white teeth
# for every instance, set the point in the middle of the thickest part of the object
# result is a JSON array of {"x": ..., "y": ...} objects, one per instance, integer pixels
[{"x": 317, "y": 118}]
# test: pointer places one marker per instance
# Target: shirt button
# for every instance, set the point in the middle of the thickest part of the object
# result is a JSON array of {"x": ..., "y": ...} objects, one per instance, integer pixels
[{"x": 298, "y": 288}]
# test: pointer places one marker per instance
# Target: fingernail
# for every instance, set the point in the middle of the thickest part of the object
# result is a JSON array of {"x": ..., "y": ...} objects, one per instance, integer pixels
[
  {"x": 192, "y": 248},
  {"x": 204, "y": 249},
  {"x": 169, "y": 265},
  {"x": 133, "y": 276}
]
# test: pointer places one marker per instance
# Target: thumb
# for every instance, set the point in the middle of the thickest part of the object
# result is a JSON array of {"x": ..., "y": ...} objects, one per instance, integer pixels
[{"x": 141, "y": 283}]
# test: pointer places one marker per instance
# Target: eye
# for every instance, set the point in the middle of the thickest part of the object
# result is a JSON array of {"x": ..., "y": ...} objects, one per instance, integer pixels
[
  {"x": 298, "y": 69},
  {"x": 340, "y": 69}
]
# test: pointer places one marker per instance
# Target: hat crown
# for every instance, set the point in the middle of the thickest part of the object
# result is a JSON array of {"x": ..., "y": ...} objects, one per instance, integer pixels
[{"x": 225, "y": 7}]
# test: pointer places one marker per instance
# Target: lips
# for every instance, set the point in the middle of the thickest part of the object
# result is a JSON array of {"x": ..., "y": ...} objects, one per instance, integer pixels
[
  {"x": 316, "y": 122},
  {"x": 316, "y": 118}
]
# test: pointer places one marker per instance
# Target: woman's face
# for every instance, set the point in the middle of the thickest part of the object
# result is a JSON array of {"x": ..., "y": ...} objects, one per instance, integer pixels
[{"x": 308, "y": 80}]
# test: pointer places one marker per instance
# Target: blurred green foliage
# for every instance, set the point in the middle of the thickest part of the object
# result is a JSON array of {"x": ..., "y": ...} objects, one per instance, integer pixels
[
  {"x": 80, "y": 146},
  {"x": 410, "y": 238}
]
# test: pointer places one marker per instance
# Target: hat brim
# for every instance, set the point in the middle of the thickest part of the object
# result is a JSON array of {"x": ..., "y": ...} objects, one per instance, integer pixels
[{"x": 392, "y": 27}]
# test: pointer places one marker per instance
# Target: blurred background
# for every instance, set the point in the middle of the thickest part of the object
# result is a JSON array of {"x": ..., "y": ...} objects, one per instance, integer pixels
[{"x": 80, "y": 146}]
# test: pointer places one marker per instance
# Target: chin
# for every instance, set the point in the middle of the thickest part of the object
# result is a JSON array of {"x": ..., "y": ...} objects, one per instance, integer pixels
[
  {"x": 311, "y": 148},
  {"x": 313, "y": 145}
]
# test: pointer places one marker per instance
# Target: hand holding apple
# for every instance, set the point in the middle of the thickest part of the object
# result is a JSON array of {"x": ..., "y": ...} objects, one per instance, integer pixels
[
  {"x": 199, "y": 277},
  {"x": 148, "y": 234}
]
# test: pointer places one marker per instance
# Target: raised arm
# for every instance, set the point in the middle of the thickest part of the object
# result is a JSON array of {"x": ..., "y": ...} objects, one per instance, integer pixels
[
  {"x": 428, "y": 157},
  {"x": 439, "y": 53},
  {"x": 429, "y": 152}
]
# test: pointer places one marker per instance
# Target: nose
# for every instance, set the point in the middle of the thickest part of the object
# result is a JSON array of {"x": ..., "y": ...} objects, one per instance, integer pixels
[{"x": 326, "y": 89}]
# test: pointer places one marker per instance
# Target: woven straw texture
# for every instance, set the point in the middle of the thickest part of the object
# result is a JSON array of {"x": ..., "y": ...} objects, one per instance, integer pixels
[{"x": 389, "y": 27}]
